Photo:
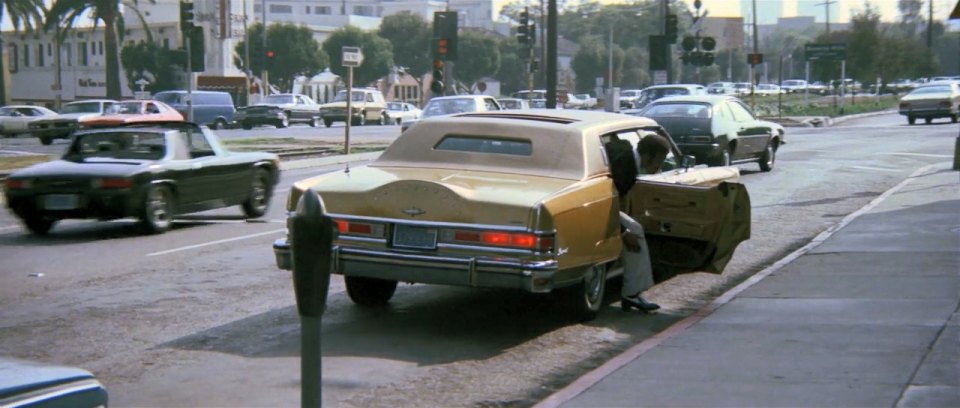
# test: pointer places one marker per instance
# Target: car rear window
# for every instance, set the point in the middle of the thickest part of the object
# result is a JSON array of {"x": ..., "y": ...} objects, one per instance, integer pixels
[
  {"x": 483, "y": 144},
  {"x": 172, "y": 98},
  {"x": 685, "y": 110},
  {"x": 120, "y": 145}
]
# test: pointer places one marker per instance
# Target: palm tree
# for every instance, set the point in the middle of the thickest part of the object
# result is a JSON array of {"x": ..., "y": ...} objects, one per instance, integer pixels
[
  {"x": 64, "y": 13},
  {"x": 25, "y": 12}
]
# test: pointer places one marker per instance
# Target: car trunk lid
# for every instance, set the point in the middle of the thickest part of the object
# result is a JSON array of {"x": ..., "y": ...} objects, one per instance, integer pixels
[{"x": 684, "y": 126}]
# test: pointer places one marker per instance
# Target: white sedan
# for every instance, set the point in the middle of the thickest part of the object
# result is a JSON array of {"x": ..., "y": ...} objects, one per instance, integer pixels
[
  {"x": 15, "y": 119},
  {"x": 400, "y": 112}
]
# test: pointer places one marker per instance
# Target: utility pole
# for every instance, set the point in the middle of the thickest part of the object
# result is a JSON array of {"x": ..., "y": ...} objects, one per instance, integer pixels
[
  {"x": 930, "y": 26},
  {"x": 664, "y": 9},
  {"x": 826, "y": 4},
  {"x": 266, "y": 74},
  {"x": 551, "y": 62},
  {"x": 246, "y": 54},
  {"x": 756, "y": 50}
]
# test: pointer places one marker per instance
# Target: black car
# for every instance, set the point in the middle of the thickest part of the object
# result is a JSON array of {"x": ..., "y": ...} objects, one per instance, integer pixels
[
  {"x": 718, "y": 130},
  {"x": 279, "y": 110},
  {"x": 32, "y": 384},
  {"x": 147, "y": 171}
]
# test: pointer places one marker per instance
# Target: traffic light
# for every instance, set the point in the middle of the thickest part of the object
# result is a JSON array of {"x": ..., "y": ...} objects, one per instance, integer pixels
[
  {"x": 186, "y": 17},
  {"x": 271, "y": 56},
  {"x": 197, "y": 51},
  {"x": 523, "y": 30},
  {"x": 658, "y": 53},
  {"x": 532, "y": 34},
  {"x": 534, "y": 65},
  {"x": 436, "y": 84},
  {"x": 445, "y": 26},
  {"x": 754, "y": 59},
  {"x": 671, "y": 31},
  {"x": 441, "y": 48},
  {"x": 708, "y": 43},
  {"x": 688, "y": 43}
]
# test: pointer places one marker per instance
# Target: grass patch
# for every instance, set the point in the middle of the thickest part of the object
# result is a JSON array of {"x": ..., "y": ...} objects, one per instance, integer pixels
[
  {"x": 826, "y": 106},
  {"x": 261, "y": 141},
  {"x": 10, "y": 163}
]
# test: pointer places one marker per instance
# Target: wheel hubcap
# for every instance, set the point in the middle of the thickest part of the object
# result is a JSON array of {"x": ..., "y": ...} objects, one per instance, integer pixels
[
  {"x": 259, "y": 194},
  {"x": 593, "y": 282},
  {"x": 158, "y": 207}
]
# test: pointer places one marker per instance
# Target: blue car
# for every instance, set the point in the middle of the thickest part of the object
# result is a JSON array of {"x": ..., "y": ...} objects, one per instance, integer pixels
[{"x": 30, "y": 384}]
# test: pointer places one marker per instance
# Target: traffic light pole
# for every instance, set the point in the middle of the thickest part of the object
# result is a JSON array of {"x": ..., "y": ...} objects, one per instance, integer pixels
[
  {"x": 346, "y": 132},
  {"x": 186, "y": 42}
]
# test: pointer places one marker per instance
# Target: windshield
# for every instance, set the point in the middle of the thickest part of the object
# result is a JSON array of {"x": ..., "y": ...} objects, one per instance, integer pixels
[
  {"x": 277, "y": 99},
  {"x": 931, "y": 89},
  {"x": 354, "y": 97},
  {"x": 678, "y": 110},
  {"x": 653, "y": 94},
  {"x": 125, "y": 108},
  {"x": 83, "y": 107},
  {"x": 437, "y": 107},
  {"x": 172, "y": 98},
  {"x": 119, "y": 145},
  {"x": 509, "y": 104}
]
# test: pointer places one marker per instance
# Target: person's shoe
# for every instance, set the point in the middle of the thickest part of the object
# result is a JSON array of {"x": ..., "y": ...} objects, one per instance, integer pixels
[{"x": 637, "y": 302}]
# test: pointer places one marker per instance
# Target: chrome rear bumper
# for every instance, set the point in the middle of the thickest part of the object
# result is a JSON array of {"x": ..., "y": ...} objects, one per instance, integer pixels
[{"x": 536, "y": 277}]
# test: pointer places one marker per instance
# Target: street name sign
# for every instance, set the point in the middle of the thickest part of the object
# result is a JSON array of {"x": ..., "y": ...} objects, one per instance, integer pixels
[
  {"x": 352, "y": 56},
  {"x": 818, "y": 52}
]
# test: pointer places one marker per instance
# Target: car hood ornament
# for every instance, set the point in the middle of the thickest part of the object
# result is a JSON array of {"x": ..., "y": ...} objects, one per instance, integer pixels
[{"x": 413, "y": 211}]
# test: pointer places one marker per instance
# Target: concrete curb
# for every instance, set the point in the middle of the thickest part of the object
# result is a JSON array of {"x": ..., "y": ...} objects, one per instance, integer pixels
[
  {"x": 588, "y": 380},
  {"x": 826, "y": 121}
]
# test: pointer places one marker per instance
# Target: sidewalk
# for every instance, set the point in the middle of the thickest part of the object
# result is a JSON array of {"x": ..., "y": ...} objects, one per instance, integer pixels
[{"x": 866, "y": 315}]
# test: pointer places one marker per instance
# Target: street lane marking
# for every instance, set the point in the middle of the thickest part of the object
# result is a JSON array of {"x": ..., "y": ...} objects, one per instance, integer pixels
[
  {"x": 186, "y": 248},
  {"x": 872, "y": 168},
  {"x": 921, "y": 155}
]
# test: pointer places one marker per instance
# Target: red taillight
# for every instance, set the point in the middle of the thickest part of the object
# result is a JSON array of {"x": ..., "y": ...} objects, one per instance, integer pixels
[
  {"x": 14, "y": 184},
  {"x": 114, "y": 183},
  {"x": 359, "y": 228},
  {"x": 522, "y": 240}
]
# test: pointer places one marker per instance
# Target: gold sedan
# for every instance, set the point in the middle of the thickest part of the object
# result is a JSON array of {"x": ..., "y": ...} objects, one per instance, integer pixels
[
  {"x": 518, "y": 199},
  {"x": 931, "y": 101}
]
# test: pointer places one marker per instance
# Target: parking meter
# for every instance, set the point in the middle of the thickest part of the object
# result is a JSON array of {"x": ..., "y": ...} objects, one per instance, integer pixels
[{"x": 311, "y": 242}]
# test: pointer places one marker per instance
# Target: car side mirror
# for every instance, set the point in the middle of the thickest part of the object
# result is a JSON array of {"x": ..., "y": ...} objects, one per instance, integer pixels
[{"x": 688, "y": 161}]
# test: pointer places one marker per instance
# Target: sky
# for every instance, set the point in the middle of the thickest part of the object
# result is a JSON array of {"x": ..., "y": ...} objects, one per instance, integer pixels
[{"x": 840, "y": 12}]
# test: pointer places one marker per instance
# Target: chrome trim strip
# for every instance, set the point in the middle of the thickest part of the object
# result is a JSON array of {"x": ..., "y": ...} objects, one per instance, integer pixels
[
  {"x": 440, "y": 224},
  {"x": 472, "y": 265},
  {"x": 44, "y": 394}
]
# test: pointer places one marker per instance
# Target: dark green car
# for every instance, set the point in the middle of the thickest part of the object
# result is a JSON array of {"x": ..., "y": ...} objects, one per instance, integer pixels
[{"x": 150, "y": 172}]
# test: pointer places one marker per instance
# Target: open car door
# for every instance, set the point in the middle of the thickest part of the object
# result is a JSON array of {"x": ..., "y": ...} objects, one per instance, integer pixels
[{"x": 691, "y": 228}]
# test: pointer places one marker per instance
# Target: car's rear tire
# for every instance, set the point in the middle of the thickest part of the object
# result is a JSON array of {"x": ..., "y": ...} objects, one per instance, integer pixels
[
  {"x": 327, "y": 122},
  {"x": 362, "y": 120},
  {"x": 769, "y": 157},
  {"x": 220, "y": 123},
  {"x": 156, "y": 216},
  {"x": 383, "y": 119},
  {"x": 928, "y": 120},
  {"x": 38, "y": 225},
  {"x": 399, "y": 121},
  {"x": 723, "y": 159},
  {"x": 370, "y": 291},
  {"x": 259, "y": 197},
  {"x": 911, "y": 119},
  {"x": 284, "y": 121},
  {"x": 46, "y": 141},
  {"x": 586, "y": 297},
  {"x": 246, "y": 126},
  {"x": 314, "y": 122},
  {"x": 954, "y": 118}
]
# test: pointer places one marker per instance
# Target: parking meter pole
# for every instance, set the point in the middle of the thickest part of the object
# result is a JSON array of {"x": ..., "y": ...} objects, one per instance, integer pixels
[
  {"x": 311, "y": 244},
  {"x": 956, "y": 154},
  {"x": 346, "y": 132}
]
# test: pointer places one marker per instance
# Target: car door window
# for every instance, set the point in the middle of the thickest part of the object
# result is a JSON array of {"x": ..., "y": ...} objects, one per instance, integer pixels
[
  {"x": 491, "y": 104},
  {"x": 151, "y": 108},
  {"x": 369, "y": 97},
  {"x": 198, "y": 144},
  {"x": 740, "y": 113}
]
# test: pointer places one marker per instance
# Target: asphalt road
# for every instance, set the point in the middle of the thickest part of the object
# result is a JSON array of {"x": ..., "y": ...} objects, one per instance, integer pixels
[{"x": 200, "y": 316}]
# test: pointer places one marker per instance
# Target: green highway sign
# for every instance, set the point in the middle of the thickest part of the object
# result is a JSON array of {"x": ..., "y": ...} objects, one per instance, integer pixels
[{"x": 818, "y": 52}]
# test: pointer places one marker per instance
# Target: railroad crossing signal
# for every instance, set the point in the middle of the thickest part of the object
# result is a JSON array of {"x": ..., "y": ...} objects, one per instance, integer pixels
[{"x": 755, "y": 58}]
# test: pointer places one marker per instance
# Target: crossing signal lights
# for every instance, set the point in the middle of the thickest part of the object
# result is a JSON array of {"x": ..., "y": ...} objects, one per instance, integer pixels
[
  {"x": 755, "y": 58},
  {"x": 441, "y": 48},
  {"x": 671, "y": 30},
  {"x": 526, "y": 33},
  {"x": 708, "y": 43},
  {"x": 186, "y": 16},
  {"x": 436, "y": 83}
]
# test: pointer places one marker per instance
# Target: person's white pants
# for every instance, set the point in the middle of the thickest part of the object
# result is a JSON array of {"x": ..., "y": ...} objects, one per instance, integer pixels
[{"x": 637, "y": 271}]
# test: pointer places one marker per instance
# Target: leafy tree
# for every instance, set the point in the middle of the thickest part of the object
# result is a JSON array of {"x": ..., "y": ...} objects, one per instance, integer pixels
[
  {"x": 148, "y": 60},
  {"x": 410, "y": 35},
  {"x": 863, "y": 45},
  {"x": 592, "y": 61},
  {"x": 377, "y": 54},
  {"x": 20, "y": 12},
  {"x": 478, "y": 57},
  {"x": 295, "y": 50},
  {"x": 513, "y": 69},
  {"x": 63, "y": 14},
  {"x": 911, "y": 17},
  {"x": 636, "y": 73}
]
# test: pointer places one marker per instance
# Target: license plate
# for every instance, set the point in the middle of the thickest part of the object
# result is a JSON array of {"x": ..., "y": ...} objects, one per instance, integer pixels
[
  {"x": 61, "y": 201},
  {"x": 414, "y": 237}
]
